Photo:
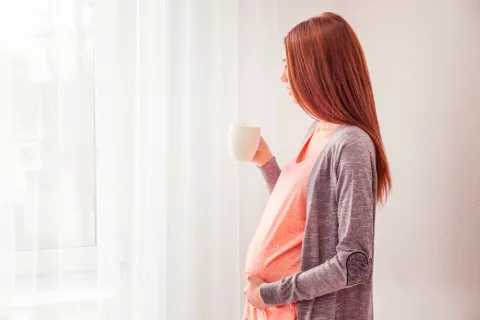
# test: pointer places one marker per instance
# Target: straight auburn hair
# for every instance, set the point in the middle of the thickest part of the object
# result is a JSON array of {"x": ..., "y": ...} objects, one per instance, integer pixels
[{"x": 329, "y": 78}]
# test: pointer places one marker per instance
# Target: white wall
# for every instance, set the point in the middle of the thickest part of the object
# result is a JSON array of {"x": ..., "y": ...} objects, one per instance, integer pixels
[{"x": 424, "y": 59}]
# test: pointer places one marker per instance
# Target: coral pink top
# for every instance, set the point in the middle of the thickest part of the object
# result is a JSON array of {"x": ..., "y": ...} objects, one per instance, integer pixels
[{"x": 275, "y": 250}]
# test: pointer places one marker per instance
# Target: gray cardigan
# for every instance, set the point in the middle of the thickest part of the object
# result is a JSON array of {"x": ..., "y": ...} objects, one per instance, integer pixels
[{"x": 335, "y": 281}]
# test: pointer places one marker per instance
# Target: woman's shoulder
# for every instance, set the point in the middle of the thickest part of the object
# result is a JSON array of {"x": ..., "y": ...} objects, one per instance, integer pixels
[
  {"x": 351, "y": 145},
  {"x": 352, "y": 137}
]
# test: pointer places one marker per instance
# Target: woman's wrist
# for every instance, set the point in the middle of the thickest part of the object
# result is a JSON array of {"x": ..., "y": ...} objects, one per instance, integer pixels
[{"x": 264, "y": 160}]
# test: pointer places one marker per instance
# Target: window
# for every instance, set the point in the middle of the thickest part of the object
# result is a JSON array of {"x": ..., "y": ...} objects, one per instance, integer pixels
[
  {"x": 48, "y": 172},
  {"x": 53, "y": 101}
]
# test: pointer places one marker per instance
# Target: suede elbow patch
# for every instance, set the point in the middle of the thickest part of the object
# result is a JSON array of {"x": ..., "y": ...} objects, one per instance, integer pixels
[{"x": 358, "y": 268}]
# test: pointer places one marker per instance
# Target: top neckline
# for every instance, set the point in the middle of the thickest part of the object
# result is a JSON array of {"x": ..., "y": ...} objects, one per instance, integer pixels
[{"x": 321, "y": 152}]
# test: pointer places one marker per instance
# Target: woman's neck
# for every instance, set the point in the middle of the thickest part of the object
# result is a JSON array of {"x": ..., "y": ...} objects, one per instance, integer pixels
[{"x": 324, "y": 126}]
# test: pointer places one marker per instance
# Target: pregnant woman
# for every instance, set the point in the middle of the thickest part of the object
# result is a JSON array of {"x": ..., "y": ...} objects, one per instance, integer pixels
[{"x": 312, "y": 255}]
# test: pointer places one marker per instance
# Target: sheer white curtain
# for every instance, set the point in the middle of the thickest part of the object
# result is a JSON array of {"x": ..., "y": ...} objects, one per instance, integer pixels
[
  {"x": 179, "y": 75},
  {"x": 117, "y": 195},
  {"x": 52, "y": 232}
]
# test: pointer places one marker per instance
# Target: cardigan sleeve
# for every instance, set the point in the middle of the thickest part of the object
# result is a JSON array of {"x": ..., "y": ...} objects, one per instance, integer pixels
[{"x": 271, "y": 172}]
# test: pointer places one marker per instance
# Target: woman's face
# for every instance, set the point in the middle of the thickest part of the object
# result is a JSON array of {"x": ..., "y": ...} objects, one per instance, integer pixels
[{"x": 284, "y": 78}]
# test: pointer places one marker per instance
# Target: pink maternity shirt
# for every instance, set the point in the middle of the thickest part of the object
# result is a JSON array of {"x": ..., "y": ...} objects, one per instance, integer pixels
[{"x": 275, "y": 250}]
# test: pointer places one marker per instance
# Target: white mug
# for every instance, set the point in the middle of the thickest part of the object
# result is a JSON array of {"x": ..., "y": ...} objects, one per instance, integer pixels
[{"x": 243, "y": 142}]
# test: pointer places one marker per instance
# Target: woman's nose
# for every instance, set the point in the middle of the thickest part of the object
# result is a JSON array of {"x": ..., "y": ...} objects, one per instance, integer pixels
[{"x": 284, "y": 77}]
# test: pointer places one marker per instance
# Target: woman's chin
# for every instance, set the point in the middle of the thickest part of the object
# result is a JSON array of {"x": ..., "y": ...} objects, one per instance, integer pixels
[{"x": 292, "y": 97}]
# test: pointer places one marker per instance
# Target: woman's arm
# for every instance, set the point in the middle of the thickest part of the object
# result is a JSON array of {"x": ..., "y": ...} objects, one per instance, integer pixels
[
  {"x": 267, "y": 163},
  {"x": 271, "y": 171},
  {"x": 352, "y": 263}
]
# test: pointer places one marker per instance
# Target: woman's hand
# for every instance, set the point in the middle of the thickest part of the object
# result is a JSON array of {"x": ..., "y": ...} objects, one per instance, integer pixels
[
  {"x": 252, "y": 292},
  {"x": 263, "y": 154}
]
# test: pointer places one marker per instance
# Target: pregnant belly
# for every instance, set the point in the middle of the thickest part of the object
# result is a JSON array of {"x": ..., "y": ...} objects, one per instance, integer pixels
[
  {"x": 273, "y": 255},
  {"x": 273, "y": 263},
  {"x": 271, "y": 266}
]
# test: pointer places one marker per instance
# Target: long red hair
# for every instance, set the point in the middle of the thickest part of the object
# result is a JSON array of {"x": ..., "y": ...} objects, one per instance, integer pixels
[{"x": 329, "y": 78}]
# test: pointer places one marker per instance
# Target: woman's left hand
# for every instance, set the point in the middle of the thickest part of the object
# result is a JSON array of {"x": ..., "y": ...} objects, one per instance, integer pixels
[{"x": 252, "y": 292}]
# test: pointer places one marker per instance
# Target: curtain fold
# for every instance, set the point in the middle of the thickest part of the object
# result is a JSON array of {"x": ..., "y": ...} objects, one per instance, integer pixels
[
  {"x": 182, "y": 248},
  {"x": 128, "y": 109}
]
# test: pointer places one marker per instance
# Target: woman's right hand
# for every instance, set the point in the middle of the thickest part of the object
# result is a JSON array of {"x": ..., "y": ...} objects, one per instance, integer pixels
[{"x": 263, "y": 154}]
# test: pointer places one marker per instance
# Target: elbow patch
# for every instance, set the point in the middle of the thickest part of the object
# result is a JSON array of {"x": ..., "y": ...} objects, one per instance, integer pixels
[{"x": 358, "y": 268}]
